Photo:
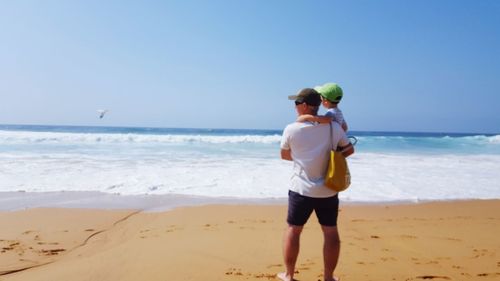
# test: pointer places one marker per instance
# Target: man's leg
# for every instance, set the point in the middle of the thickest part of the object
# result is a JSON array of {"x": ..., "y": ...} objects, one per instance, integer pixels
[
  {"x": 331, "y": 250},
  {"x": 291, "y": 246}
]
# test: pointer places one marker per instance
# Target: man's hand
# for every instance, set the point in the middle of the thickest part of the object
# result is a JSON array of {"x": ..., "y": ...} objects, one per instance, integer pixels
[
  {"x": 286, "y": 154},
  {"x": 346, "y": 150}
]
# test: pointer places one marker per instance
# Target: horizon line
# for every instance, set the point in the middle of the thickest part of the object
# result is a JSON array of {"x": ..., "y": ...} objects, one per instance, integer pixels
[{"x": 247, "y": 129}]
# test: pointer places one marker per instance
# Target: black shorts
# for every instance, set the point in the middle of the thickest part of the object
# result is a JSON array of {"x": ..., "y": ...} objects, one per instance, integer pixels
[{"x": 300, "y": 209}]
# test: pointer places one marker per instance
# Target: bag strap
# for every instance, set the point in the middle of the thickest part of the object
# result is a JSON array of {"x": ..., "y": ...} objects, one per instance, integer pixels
[{"x": 331, "y": 134}]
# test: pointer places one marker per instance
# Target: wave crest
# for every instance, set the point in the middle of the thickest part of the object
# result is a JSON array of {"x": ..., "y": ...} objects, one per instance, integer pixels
[{"x": 8, "y": 137}]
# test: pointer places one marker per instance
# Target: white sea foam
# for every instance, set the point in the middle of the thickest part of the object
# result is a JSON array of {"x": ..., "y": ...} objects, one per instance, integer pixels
[
  {"x": 222, "y": 164},
  {"x": 376, "y": 177},
  {"x": 28, "y": 137},
  {"x": 23, "y": 137},
  {"x": 494, "y": 139},
  {"x": 423, "y": 177}
]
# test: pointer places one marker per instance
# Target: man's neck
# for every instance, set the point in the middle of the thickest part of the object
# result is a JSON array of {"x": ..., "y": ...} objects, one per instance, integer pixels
[{"x": 308, "y": 113}]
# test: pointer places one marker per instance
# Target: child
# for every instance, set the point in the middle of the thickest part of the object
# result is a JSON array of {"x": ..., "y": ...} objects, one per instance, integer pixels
[{"x": 331, "y": 94}]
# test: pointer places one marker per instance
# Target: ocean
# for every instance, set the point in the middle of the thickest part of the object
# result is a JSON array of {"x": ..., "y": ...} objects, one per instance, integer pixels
[{"x": 229, "y": 163}]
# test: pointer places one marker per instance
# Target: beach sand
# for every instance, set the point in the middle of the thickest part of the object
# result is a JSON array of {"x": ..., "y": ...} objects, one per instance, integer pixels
[{"x": 457, "y": 240}]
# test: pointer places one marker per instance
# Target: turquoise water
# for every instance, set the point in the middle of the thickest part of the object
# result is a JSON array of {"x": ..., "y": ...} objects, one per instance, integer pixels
[
  {"x": 402, "y": 142},
  {"x": 387, "y": 166}
]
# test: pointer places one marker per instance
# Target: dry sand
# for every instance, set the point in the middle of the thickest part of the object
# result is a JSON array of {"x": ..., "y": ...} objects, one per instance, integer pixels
[{"x": 427, "y": 241}]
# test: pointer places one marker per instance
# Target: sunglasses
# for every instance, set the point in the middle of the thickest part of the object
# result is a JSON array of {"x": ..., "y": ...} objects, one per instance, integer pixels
[{"x": 298, "y": 102}]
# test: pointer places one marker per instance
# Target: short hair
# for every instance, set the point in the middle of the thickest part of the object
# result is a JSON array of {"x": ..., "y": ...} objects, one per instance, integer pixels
[{"x": 313, "y": 110}]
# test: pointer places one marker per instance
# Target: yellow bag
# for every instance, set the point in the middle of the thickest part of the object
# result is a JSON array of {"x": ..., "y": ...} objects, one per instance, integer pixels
[{"x": 338, "y": 177}]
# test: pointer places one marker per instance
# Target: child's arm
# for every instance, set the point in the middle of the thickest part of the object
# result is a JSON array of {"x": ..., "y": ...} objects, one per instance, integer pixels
[
  {"x": 344, "y": 126},
  {"x": 313, "y": 118}
]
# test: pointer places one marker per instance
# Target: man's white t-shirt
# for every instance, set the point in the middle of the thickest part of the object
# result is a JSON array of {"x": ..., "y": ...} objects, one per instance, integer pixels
[{"x": 310, "y": 144}]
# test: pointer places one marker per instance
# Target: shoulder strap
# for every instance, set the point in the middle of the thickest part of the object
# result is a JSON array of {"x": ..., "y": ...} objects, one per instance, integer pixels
[{"x": 331, "y": 134}]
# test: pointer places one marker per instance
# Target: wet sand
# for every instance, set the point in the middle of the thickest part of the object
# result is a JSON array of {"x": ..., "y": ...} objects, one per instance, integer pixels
[{"x": 458, "y": 240}]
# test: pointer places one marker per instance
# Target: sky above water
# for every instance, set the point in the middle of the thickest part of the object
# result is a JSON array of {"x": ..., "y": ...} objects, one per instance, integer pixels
[{"x": 427, "y": 66}]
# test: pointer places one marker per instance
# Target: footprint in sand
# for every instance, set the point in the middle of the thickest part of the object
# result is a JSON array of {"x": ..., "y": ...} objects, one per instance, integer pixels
[
  {"x": 11, "y": 245},
  {"x": 453, "y": 239},
  {"x": 238, "y": 272},
  {"x": 48, "y": 243},
  {"x": 433, "y": 277},
  {"x": 172, "y": 228},
  {"x": 246, "y": 227},
  {"x": 275, "y": 265},
  {"x": 143, "y": 232},
  {"x": 489, "y": 274},
  {"x": 308, "y": 263},
  {"x": 26, "y": 260},
  {"x": 480, "y": 253},
  {"x": 210, "y": 227},
  {"x": 52, "y": 252},
  {"x": 305, "y": 266},
  {"x": 388, "y": 259},
  {"x": 234, "y": 271},
  {"x": 269, "y": 276}
]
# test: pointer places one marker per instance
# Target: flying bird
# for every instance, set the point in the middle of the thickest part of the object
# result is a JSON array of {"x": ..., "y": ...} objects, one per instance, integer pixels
[{"x": 102, "y": 112}]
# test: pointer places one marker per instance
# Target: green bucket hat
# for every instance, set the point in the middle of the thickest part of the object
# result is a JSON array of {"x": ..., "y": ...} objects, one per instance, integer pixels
[{"x": 330, "y": 91}]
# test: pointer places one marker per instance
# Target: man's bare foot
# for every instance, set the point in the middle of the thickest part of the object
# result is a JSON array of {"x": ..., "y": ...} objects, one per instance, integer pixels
[
  {"x": 335, "y": 278},
  {"x": 283, "y": 276}
]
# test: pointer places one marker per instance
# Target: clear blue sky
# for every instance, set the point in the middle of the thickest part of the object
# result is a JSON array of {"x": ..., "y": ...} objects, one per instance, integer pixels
[{"x": 404, "y": 65}]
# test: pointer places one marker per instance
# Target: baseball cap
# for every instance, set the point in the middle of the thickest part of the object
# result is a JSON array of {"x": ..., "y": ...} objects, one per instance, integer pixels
[
  {"x": 307, "y": 95},
  {"x": 330, "y": 91}
]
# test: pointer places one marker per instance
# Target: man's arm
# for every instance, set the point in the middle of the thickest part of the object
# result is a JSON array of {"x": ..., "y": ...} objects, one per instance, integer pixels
[{"x": 286, "y": 154}]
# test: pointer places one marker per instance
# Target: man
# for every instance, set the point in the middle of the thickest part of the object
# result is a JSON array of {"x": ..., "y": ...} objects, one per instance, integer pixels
[{"x": 308, "y": 144}]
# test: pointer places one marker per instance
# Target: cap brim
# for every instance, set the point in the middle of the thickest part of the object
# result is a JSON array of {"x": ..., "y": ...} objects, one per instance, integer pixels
[{"x": 294, "y": 97}]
